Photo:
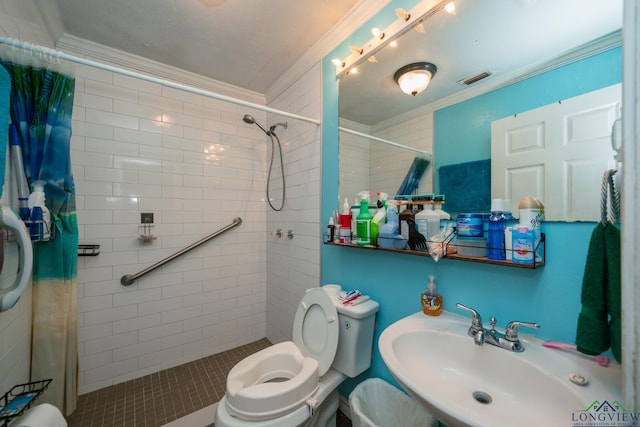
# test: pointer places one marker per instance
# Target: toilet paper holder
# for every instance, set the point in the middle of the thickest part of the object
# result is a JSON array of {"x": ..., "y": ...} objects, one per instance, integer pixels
[{"x": 20, "y": 398}]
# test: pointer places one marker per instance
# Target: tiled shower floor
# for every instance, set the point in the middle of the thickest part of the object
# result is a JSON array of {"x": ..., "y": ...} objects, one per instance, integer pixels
[
  {"x": 162, "y": 397},
  {"x": 156, "y": 399}
]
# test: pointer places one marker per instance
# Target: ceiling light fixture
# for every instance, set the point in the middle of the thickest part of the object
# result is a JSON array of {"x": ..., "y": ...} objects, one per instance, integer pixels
[{"x": 414, "y": 78}]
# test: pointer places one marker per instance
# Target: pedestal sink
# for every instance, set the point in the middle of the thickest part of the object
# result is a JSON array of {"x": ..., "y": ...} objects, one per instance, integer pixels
[{"x": 463, "y": 384}]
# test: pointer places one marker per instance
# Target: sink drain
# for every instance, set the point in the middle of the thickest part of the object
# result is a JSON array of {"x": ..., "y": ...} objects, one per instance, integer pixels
[{"x": 482, "y": 397}]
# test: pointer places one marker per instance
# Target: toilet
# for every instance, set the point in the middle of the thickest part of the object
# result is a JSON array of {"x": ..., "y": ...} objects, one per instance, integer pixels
[{"x": 294, "y": 383}]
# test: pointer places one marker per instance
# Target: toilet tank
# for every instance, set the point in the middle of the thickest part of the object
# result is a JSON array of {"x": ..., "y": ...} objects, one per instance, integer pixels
[{"x": 355, "y": 342}]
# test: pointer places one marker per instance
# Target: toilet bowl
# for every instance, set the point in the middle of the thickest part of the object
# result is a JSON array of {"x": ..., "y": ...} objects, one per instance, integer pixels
[{"x": 284, "y": 385}]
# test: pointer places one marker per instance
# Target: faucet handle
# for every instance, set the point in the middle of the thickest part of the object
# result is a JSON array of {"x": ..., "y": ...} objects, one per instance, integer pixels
[
  {"x": 511, "y": 334},
  {"x": 476, "y": 320},
  {"x": 493, "y": 322}
]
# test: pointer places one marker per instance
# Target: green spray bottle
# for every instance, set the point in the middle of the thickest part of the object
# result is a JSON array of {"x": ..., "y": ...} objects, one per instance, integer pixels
[
  {"x": 363, "y": 220},
  {"x": 379, "y": 218}
]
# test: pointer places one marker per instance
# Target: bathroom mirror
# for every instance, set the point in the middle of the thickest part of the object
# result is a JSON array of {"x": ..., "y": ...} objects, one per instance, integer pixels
[{"x": 511, "y": 40}]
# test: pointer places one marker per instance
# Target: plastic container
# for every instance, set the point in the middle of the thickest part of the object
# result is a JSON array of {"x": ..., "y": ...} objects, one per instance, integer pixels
[
  {"x": 495, "y": 236},
  {"x": 428, "y": 222},
  {"x": 438, "y": 201},
  {"x": 377, "y": 222},
  {"x": 470, "y": 224},
  {"x": 472, "y": 246},
  {"x": 531, "y": 216},
  {"x": 524, "y": 240},
  {"x": 18, "y": 169},
  {"x": 388, "y": 235},
  {"x": 403, "y": 216},
  {"x": 376, "y": 403},
  {"x": 431, "y": 302},
  {"x": 39, "y": 214},
  {"x": 363, "y": 221}
]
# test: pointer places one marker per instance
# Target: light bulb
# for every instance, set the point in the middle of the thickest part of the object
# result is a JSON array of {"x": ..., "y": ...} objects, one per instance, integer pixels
[
  {"x": 450, "y": 7},
  {"x": 354, "y": 70},
  {"x": 356, "y": 50},
  {"x": 336, "y": 62},
  {"x": 403, "y": 14},
  {"x": 414, "y": 82}
]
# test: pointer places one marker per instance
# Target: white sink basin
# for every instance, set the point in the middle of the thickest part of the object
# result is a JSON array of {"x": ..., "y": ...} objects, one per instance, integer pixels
[{"x": 463, "y": 384}]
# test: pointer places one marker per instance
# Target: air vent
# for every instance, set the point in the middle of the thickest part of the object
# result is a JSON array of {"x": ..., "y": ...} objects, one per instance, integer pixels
[{"x": 467, "y": 81}]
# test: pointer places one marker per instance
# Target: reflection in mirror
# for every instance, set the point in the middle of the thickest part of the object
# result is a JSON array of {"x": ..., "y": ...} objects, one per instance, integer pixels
[{"x": 507, "y": 40}]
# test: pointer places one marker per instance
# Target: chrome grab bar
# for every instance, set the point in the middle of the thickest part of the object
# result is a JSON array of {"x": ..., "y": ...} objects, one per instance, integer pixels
[{"x": 128, "y": 279}]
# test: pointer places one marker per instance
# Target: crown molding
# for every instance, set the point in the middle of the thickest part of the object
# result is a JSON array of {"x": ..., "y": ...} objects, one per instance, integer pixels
[
  {"x": 100, "y": 53},
  {"x": 354, "y": 19}
]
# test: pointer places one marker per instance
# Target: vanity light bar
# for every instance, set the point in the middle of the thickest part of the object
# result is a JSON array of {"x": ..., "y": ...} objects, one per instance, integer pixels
[{"x": 421, "y": 12}]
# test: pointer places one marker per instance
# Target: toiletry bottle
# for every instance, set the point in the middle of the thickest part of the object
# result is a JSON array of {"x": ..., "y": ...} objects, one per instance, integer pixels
[
  {"x": 403, "y": 216},
  {"x": 40, "y": 230},
  {"x": 331, "y": 231},
  {"x": 495, "y": 236},
  {"x": 438, "y": 201},
  {"x": 383, "y": 197},
  {"x": 523, "y": 242},
  {"x": 18, "y": 170},
  {"x": 377, "y": 222},
  {"x": 531, "y": 216},
  {"x": 363, "y": 221},
  {"x": 345, "y": 223},
  {"x": 428, "y": 221},
  {"x": 431, "y": 302}
]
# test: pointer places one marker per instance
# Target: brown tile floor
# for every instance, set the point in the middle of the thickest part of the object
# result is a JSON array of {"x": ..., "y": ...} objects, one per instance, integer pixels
[{"x": 159, "y": 398}]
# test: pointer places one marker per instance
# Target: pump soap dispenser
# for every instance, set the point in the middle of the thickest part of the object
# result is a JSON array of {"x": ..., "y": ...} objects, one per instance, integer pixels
[{"x": 431, "y": 302}]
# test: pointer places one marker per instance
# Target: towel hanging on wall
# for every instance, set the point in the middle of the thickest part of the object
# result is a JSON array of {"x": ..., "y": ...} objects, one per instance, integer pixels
[{"x": 599, "y": 322}]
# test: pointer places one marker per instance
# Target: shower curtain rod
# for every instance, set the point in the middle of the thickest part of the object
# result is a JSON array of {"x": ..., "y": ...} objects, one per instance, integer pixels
[
  {"x": 56, "y": 54},
  {"x": 384, "y": 141}
]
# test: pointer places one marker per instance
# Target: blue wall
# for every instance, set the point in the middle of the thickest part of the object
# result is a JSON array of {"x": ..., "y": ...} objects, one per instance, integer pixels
[{"x": 549, "y": 295}]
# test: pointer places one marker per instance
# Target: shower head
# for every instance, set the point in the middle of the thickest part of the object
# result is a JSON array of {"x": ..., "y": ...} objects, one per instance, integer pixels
[{"x": 249, "y": 119}]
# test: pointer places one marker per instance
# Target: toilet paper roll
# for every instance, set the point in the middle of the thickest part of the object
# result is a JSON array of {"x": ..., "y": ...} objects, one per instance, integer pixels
[{"x": 43, "y": 415}]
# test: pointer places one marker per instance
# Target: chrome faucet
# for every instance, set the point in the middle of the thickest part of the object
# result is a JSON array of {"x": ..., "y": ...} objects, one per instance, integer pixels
[{"x": 509, "y": 340}]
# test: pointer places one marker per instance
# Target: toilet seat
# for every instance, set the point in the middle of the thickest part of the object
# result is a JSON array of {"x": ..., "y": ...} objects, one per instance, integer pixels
[
  {"x": 279, "y": 379},
  {"x": 315, "y": 328}
]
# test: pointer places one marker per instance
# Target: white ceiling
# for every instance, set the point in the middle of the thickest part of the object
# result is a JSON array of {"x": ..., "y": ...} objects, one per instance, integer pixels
[{"x": 246, "y": 43}]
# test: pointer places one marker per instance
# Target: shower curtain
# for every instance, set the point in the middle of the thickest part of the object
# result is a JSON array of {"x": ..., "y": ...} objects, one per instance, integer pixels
[{"x": 41, "y": 106}]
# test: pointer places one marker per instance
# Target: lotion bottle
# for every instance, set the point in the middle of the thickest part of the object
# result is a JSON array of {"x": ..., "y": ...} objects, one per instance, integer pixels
[{"x": 431, "y": 302}]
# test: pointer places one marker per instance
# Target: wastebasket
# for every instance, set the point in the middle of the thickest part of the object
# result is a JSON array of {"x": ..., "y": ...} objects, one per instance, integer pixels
[{"x": 376, "y": 403}]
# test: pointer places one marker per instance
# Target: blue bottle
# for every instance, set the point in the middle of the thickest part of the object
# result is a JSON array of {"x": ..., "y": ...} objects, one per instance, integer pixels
[{"x": 495, "y": 238}]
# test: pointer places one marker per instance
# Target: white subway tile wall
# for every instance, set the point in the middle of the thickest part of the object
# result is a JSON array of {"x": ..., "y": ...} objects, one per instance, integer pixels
[
  {"x": 192, "y": 162},
  {"x": 414, "y": 132},
  {"x": 293, "y": 266}
]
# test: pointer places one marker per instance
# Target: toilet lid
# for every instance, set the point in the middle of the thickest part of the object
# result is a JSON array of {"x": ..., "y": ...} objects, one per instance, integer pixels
[{"x": 315, "y": 328}]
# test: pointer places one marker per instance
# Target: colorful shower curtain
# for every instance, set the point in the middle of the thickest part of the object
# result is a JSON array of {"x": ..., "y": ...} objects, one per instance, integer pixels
[{"x": 41, "y": 106}]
